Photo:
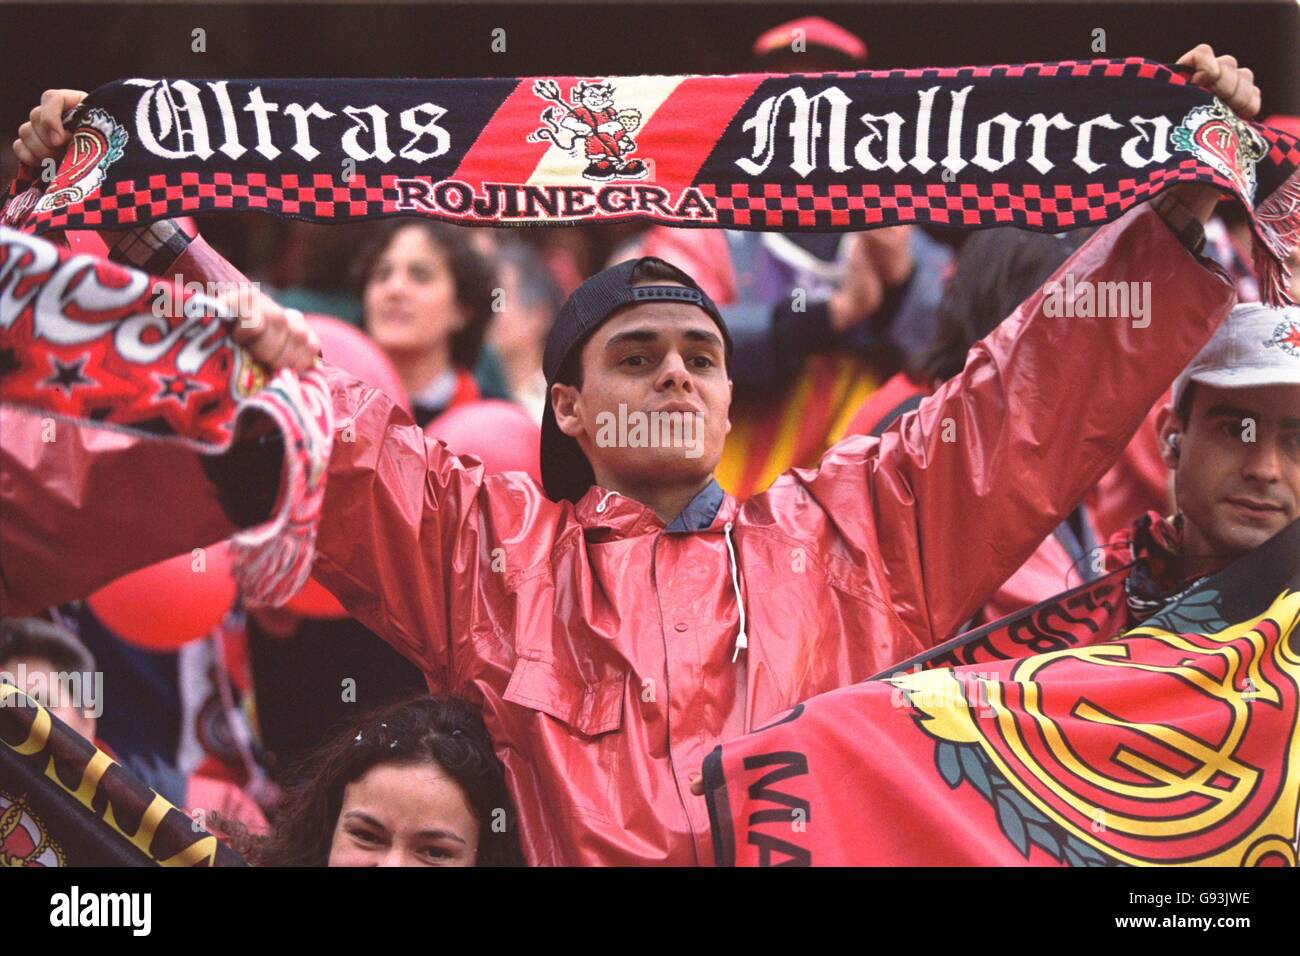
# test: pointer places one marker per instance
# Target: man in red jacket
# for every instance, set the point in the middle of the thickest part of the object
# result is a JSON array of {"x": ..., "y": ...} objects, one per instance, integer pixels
[{"x": 618, "y": 624}]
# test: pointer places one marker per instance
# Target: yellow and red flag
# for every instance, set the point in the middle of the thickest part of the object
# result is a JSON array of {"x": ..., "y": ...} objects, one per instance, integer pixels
[{"x": 1176, "y": 743}]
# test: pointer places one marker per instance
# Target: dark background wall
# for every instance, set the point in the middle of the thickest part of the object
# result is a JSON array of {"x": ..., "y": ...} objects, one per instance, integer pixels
[{"x": 82, "y": 46}]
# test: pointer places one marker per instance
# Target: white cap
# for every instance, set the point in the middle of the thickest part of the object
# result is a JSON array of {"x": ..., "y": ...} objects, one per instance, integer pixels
[{"x": 1256, "y": 345}]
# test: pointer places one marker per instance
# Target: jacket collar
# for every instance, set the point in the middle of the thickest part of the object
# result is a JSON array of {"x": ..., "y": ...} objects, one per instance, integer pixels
[
  {"x": 699, "y": 514},
  {"x": 626, "y": 517}
]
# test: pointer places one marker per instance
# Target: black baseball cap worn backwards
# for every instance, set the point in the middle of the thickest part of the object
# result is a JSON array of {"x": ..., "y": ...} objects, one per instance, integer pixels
[{"x": 566, "y": 473}]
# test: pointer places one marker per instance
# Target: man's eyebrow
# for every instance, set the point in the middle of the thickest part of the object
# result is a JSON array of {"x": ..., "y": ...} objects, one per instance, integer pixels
[
  {"x": 1232, "y": 411},
  {"x": 653, "y": 335},
  {"x": 632, "y": 335},
  {"x": 704, "y": 335}
]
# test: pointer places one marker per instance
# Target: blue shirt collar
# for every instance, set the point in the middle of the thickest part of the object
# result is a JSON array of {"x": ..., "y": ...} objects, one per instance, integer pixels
[{"x": 699, "y": 514}]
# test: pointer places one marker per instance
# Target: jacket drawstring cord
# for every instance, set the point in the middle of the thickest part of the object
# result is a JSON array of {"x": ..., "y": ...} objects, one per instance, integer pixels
[
  {"x": 742, "y": 639},
  {"x": 600, "y": 508}
]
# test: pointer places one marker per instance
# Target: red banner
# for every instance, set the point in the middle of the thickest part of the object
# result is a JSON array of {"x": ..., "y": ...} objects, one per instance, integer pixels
[{"x": 1177, "y": 743}]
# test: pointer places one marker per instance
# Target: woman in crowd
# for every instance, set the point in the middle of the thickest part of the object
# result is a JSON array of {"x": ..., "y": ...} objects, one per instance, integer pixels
[
  {"x": 427, "y": 296},
  {"x": 412, "y": 784},
  {"x": 518, "y": 332}
]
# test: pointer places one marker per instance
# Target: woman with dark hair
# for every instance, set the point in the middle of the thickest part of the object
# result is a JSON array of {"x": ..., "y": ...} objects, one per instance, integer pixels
[
  {"x": 413, "y": 784},
  {"x": 427, "y": 296}
]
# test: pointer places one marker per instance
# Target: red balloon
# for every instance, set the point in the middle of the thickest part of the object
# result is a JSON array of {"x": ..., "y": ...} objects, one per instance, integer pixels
[
  {"x": 170, "y": 603},
  {"x": 500, "y": 433},
  {"x": 356, "y": 353},
  {"x": 314, "y": 601}
]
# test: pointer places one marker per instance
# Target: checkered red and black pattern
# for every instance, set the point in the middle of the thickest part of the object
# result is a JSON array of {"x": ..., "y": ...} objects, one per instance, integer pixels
[
  {"x": 316, "y": 196},
  {"x": 741, "y": 205},
  {"x": 1284, "y": 149},
  {"x": 963, "y": 205},
  {"x": 1134, "y": 67}
]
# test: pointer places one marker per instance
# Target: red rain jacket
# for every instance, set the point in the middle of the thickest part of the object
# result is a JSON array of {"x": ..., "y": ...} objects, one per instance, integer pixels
[
  {"x": 1134, "y": 485},
  {"x": 601, "y": 647}
]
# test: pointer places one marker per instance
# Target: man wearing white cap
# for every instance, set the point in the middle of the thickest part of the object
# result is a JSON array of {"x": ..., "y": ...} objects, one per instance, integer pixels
[{"x": 1232, "y": 439}]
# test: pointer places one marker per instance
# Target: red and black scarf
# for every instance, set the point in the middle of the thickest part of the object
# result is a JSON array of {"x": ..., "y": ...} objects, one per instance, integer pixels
[
  {"x": 1139, "y": 577},
  {"x": 1043, "y": 146},
  {"x": 85, "y": 339}
]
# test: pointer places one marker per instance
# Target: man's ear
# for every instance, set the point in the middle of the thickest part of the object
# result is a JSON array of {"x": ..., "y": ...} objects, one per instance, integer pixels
[
  {"x": 566, "y": 403},
  {"x": 1169, "y": 424},
  {"x": 731, "y": 391}
]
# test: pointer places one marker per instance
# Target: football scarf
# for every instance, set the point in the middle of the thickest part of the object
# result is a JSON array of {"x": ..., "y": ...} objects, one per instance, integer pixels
[
  {"x": 1048, "y": 146},
  {"x": 1176, "y": 743},
  {"x": 64, "y": 802},
  {"x": 86, "y": 339}
]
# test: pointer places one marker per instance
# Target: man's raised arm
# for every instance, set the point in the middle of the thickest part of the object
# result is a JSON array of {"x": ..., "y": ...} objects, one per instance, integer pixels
[
  {"x": 962, "y": 490},
  {"x": 396, "y": 503}
]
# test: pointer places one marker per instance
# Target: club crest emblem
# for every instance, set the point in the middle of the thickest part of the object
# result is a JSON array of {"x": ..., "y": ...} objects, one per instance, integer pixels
[
  {"x": 1093, "y": 779},
  {"x": 1287, "y": 338},
  {"x": 589, "y": 125},
  {"x": 1216, "y": 136},
  {"x": 23, "y": 840},
  {"x": 96, "y": 144}
]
